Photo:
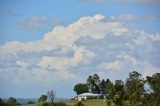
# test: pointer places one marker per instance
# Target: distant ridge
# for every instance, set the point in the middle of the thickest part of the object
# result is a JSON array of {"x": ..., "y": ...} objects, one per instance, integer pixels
[{"x": 25, "y": 100}]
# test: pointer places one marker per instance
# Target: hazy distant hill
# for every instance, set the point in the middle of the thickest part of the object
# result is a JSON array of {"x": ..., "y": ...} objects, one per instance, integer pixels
[{"x": 25, "y": 100}]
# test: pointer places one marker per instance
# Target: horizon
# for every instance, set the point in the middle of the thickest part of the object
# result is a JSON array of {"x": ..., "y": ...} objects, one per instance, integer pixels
[{"x": 57, "y": 44}]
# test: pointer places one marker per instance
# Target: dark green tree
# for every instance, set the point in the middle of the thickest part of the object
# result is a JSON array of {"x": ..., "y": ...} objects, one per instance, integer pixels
[
  {"x": 42, "y": 98},
  {"x": 108, "y": 86},
  {"x": 30, "y": 102},
  {"x": 2, "y": 103},
  {"x": 102, "y": 87},
  {"x": 153, "y": 97},
  {"x": 118, "y": 92},
  {"x": 80, "y": 88},
  {"x": 94, "y": 83},
  {"x": 154, "y": 82},
  {"x": 134, "y": 88},
  {"x": 12, "y": 101}
]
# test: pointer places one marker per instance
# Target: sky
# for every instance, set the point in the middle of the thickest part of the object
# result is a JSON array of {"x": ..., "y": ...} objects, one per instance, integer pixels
[{"x": 55, "y": 44}]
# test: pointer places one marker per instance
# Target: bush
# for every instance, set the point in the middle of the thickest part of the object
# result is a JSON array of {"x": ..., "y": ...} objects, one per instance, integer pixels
[
  {"x": 43, "y": 104},
  {"x": 79, "y": 104},
  {"x": 30, "y": 102},
  {"x": 109, "y": 103}
]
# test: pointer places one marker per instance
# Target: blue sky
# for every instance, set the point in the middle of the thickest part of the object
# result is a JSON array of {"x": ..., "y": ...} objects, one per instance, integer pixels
[{"x": 54, "y": 44}]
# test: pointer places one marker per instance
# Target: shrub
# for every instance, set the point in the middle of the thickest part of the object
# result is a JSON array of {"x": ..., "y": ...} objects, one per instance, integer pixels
[
  {"x": 43, "y": 104},
  {"x": 79, "y": 104},
  {"x": 30, "y": 102}
]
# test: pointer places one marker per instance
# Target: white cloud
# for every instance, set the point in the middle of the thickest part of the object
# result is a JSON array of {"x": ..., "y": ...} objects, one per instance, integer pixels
[
  {"x": 128, "y": 58},
  {"x": 93, "y": 27},
  {"x": 149, "y": 69},
  {"x": 37, "y": 23},
  {"x": 86, "y": 26},
  {"x": 64, "y": 63},
  {"x": 111, "y": 46},
  {"x": 127, "y": 17},
  {"x": 22, "y": 64},
  {"x": 155, "y": 37},
  {"x": 112, "y": 66}
]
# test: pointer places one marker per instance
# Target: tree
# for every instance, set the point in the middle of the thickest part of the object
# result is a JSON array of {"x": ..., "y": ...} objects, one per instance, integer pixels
[
  {"x": 30, "y": 102},
  {"x": 2, "y": 103},
  {"x": 102, "y": 87},
  {"x": 134, "y": 87},
  {"x": 42, "y": 98},
  {"x": 81, "y": 88},
  {"x": 118, "y": 92},
  {"x": 51, "y": 95},
  {"x": 94, "y": 83},
  {"x": 12, "y": 101},
  {"x": 154, "y": 83},
  {"x": 108, "y": 86}
]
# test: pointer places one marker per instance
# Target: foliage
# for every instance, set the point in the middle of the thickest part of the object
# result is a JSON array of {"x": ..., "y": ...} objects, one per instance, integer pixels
[
  {"x": 80, "y": 88},
  {"x": 43, "y": 104},
  {"x": 30, "y": 102},
  {"x": 12, "y": 101},
  {"x": 118, "y": 90},
  {"x": 53, "y": 104},
  {"x": 51, "y": 95},
  {"x": 79, "y": 104},
  {"x": 131, "y": 93},
  {"x": 154, "y": 83},
  {"x": 102, "y": 87},
  {"x": 109, "y": 103},
  {"x": 93, "y": 83},
  {"x": 42, "y": 98},
  {"x": 2, "y": 103},
  {"x": 134, "y": 87},
  {"x": 108, "y": 86}
]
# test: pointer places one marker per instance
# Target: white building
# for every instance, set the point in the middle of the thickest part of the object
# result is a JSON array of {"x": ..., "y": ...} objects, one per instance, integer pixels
[{"x": 85, "y": 96}]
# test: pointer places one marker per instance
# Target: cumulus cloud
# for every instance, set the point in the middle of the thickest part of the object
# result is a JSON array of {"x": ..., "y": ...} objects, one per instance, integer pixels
[
  {"x": 37, "y": 23},
  {"x": 128, "y": 58},
  {"x": 112, "y": 66},
  {"x": 88, "y": 42},
  {"x": 149, "y": 69}
]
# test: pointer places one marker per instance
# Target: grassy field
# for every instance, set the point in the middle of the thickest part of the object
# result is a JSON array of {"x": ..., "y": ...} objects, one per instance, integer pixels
[
  {"x": 32, "y": 105},
  {"x": 93, "y": 102}
]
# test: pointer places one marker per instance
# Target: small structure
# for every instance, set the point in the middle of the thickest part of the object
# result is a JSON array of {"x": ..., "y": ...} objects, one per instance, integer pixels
[{"x": 85, "y": 96}]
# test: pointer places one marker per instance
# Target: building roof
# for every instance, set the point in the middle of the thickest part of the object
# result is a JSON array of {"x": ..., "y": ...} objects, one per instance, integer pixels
[{"x": 89, "y": 94}]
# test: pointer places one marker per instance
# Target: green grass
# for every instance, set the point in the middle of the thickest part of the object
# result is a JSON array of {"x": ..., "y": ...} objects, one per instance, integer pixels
[
  {"x": 93, "y": 102},
  {"x": 32, "y": 105}
]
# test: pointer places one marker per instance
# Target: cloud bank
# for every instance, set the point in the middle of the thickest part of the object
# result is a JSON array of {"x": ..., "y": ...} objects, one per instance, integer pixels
[
  {"x": 91, "y": 44},
  {"x": 37, "y": 23}
]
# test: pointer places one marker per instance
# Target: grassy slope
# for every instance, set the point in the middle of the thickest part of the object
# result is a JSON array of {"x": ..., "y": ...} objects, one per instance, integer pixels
[
  {"x": 94, "y": 102},
  {"x": 32, "y": 105}
]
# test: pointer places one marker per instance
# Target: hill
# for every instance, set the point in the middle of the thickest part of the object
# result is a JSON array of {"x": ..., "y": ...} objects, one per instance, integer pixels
[{"x": 93, "y": 102}]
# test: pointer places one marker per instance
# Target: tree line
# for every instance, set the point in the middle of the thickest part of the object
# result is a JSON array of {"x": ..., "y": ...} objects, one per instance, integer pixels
[
  {"x": 50, "y": 95},
  {"x": 10, "y": 102},
  {"x": 135, "y": 91}
]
